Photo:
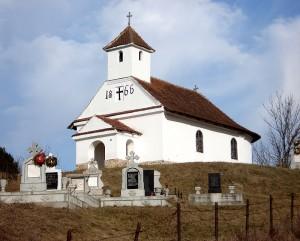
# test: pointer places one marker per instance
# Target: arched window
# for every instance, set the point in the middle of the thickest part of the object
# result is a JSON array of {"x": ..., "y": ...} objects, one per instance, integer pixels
[
  {"x": 140, "y": 55},
  {"x": 234, "y": 150},
  {"x": 199, "y": 141},
  {"x": 120, "y": 56},
  {"x": 129, "y": 147}
]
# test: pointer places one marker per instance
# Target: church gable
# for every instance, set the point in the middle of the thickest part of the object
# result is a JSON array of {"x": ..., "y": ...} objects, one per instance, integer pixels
[
  {"x": 101, "y": 123},
  {"x": 94, "y": 123},
  {"x": 118, "y": 96}
]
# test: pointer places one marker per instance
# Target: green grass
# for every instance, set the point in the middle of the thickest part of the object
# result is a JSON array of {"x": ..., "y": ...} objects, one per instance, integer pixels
[{"x": 30, "y": 222}]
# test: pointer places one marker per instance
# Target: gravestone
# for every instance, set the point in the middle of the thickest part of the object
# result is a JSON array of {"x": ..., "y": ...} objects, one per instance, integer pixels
[
  {"x": 33, "y": 176},
  {"x": 149, "y": 182},
  {"x": 93, "y": 182},
  {"x": 53, "y": 178},
  {"x": 132, "y": 178},
  {"x": 214, "y": 183},
  {"x": 295, "y": 163}
]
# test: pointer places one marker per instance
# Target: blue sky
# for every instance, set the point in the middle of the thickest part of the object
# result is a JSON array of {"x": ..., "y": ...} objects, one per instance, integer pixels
[{"x": 238, "y": 52}]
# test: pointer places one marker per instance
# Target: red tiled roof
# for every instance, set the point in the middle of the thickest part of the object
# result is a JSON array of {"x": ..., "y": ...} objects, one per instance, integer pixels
[
  {"x": 191, "y": 104},
  {"x": 128, "y": 36},
  {"x": 118, "y": 125}
]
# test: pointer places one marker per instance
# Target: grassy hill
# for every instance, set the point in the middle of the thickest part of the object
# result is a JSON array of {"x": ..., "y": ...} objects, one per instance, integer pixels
[{"x": 30, "y": 222}]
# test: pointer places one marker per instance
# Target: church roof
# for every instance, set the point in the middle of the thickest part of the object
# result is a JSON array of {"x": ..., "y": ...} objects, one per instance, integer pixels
[
  {"x": 115, "y": 124},
  {"x": 118, "y": 125},
  {"x": 187, "y": 102},
  {"x": 128, "y": 36}
]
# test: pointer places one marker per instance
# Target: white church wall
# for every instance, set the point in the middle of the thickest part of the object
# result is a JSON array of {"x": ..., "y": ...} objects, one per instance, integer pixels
[
  {"x": 130, "y": 66},
  {"x": 85, "y": 148},
  {"x": 179, "y": 141},
  {"x": 149, "y": 146},
  {"x": 141, "y": 68},
  {"x": 132, "y": 96},
  {"x": 122, "y": 139}
]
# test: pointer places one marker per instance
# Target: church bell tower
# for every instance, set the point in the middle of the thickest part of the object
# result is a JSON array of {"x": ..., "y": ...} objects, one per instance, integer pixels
[{"x": 128, "y": 55}]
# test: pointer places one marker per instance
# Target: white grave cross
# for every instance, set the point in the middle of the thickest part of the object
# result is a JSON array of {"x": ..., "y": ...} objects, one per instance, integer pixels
[
  {"x": 131, "y": 157},
  {"x": 34, "y": 149}
]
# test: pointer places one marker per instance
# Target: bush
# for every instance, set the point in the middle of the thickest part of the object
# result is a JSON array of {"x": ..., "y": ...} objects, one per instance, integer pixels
[{"x": 9, "y": 168}]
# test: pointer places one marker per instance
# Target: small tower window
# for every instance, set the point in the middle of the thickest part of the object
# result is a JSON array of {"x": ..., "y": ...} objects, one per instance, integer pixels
[
  {"x": 234, "y": 151},
  {"x": 120, "y": 56},
  {"x": 140, "y": 55},
  {"x": 199, "y": 141}
]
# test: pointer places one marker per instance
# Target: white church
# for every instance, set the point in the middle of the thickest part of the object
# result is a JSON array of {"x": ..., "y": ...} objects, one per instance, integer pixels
[{"x": 159, "y": 121}]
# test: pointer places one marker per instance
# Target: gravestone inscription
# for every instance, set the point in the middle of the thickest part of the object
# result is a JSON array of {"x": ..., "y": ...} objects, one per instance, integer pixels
[
  {"x": 132, "y": 179},
  {"x": 214, "y": 183},
  {"x": 52, "y": 180}
]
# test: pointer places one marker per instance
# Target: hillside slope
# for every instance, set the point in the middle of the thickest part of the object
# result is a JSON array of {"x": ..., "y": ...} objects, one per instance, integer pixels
[
  {"x": 30, "y": 222},
  {"x": 252, "y": 180}
]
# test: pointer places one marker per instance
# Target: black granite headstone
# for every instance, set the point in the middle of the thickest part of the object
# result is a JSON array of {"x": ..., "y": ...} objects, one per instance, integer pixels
[
  {"x": 148, "y": 182},
  {"x": 214, "y": 183},
  {"x": 52, "y": 180},
  {"x": 133, "y": 180}
]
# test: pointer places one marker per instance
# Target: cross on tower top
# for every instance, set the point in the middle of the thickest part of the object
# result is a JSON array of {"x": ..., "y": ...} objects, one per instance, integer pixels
[
  {"x": 129, "y": 16},
  {"x": 195, "y": 88}
]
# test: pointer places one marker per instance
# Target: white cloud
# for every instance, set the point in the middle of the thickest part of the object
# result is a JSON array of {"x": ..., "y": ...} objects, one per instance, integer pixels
[{"x": 55, "y": 79}]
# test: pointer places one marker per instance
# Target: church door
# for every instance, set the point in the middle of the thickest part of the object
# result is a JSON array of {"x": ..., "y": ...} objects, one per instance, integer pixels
[{"x": 99, "y": 154}]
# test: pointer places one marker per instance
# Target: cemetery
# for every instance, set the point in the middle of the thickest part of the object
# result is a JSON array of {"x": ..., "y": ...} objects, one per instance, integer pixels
[{"x": 43, "y": 184}]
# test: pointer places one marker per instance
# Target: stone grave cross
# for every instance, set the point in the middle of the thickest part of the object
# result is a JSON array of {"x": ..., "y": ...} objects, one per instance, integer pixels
[
  {"x": 131, "y": 157},
  {"x": 34, "y": 149}
]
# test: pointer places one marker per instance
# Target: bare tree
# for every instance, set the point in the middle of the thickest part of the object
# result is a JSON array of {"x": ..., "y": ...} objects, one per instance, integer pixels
[{"x": 283, "y": 121}]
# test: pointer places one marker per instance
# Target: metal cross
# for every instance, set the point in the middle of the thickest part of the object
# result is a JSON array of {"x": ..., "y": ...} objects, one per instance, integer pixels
[
  {"x": 131, "y": 157},
  {"x": 34, "y": 149},
  {"x": 129, "y": 16},
  {"x": 195, "y": 88}
]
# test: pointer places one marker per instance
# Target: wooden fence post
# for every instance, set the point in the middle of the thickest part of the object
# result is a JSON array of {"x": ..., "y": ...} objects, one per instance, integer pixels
[
  {"x": 271, "y": 228},
  {"x": 69, "y": 235},
  {"x": 247, "y": 219},
  {"x": 137, "y": 231},
  {"x": 216, "y": 221},
  {"x": 178, "y": 222},
  {"x": 292, "y": 211}
]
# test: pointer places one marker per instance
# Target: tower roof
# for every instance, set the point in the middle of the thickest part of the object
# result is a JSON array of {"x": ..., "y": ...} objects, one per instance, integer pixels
[{"x": 126, "y": 37}]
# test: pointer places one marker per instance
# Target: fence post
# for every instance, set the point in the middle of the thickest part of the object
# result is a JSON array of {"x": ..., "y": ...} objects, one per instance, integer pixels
[
  {"x": 178, "y": 222},
  {"x": 216, "y": 221},
  {"x": 292, "y": 211},
  {"x": 271, "y": 230},
  {"x": 69, "y": 235},
  {"x": 137, "y": 231},
  {"x": 247, "y": 219}
]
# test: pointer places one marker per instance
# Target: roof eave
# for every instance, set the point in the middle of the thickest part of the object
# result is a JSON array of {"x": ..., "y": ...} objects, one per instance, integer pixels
[
  {"x": 108, "y": 49},
  {"x": 255, "y": 137}
]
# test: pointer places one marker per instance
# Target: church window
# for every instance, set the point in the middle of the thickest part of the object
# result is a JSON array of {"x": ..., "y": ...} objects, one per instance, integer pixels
[
  {"x": 140, "y": 55},
  {"x": 120, "y": 56},
  {"x": 129, "y": 147},
  {"x": 234, "y": 151},
  {"x": 199, "y": 141}
]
